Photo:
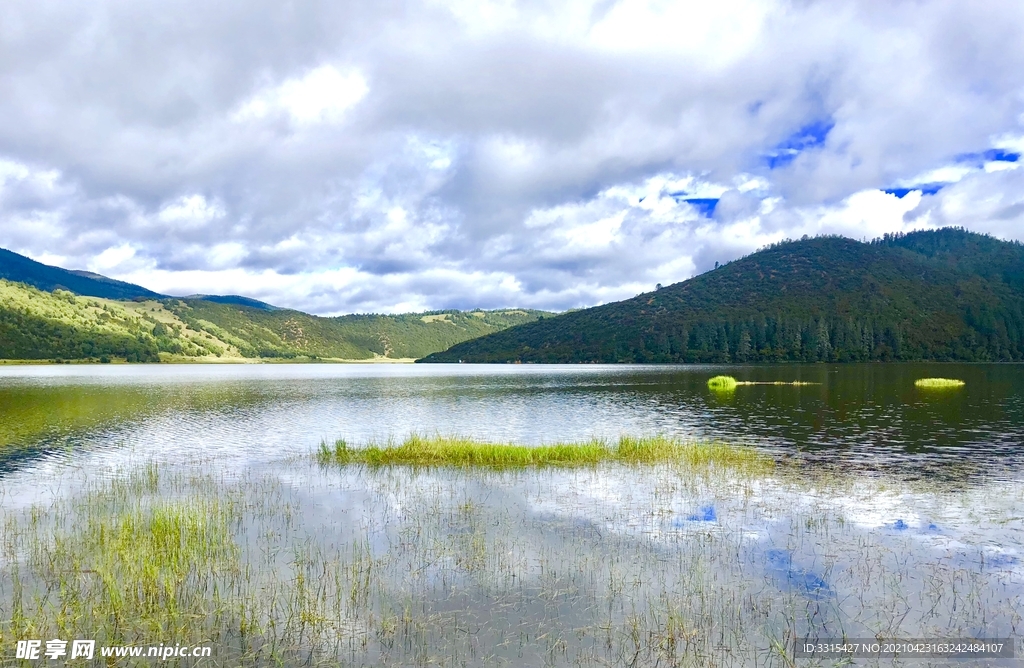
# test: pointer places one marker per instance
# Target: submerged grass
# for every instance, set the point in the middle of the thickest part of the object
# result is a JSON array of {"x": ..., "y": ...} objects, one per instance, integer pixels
[
  {"x": 610, "y": 566},
  {"x": 938, "y": 383},
  {"x": 456, "y": 451},
  {"x": 119, "y": 565}
]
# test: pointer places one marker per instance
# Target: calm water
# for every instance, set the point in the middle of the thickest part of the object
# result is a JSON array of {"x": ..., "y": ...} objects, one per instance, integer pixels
[
  {"x": 574, "y": 567},
  {"x": 868, "y": 415}
]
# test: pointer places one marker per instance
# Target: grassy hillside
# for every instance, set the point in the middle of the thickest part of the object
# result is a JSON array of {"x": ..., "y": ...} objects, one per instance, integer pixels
[
  {"x": 937, "y": 295},
  {"x": 258, "y": 332},
  {"x": 35, "y": 324},
  {"x": 59, "y": 325}
]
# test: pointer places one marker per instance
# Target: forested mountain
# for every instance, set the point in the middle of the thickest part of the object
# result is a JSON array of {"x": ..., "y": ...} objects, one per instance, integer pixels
[
  {"x": 21, "y": 269},
  {"x": 59, "y": 325},
  {"x": 935, "y": 295}
]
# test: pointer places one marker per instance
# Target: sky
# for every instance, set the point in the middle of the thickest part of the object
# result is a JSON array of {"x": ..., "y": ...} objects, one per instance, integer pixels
[{"x": 394, "y": 156}]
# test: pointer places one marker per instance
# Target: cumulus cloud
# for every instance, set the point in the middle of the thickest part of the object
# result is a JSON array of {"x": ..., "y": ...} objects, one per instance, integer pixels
[{"x": 347, "y": 157}]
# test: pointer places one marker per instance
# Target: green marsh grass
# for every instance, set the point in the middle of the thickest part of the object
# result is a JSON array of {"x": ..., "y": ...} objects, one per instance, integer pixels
[
  {"x": 456, "y": 451},
  {"x": 938, "y": 383},
  {"x": 722, "y": 383},
  {"x": 729, "y": 384},
  {"x": 119, "y": 564}
]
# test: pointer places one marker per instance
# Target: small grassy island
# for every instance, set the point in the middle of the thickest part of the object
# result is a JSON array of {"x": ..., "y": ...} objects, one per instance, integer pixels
[
  {"x": 455, "y": 451},
  {"x": 938, "y": 383},
  {"x": 722, "y": 383},
  {"x": 728, "y": 383}
]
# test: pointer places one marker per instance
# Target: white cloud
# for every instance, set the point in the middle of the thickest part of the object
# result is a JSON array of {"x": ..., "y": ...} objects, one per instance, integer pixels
[
  {"x": 190, "y": 211},
  {"x": 113, "y": 259},
  {"x": 323, "y": 94},
  {"x": 537, "y": 154},
  {"x": 716, "y": 34}
]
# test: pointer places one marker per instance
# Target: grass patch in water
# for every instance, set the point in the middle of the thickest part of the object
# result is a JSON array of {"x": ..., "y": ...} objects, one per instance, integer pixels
[
  {"x": 456, "y": 451},
  {"x": 938, "y": 383},
  {"x": 119, "y": 565},
  {"x": 728, "y": 383},
  {"x": 722, "y": 383}
]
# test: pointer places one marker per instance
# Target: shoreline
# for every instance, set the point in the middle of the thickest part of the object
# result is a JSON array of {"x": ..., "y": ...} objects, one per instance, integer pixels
[{"x": 216, "y": 361}]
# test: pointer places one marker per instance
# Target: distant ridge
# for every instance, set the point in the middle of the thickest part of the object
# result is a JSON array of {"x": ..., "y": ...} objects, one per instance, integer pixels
[
  {"x": 20, "y": 269},
  {"x": 237, "y": 300},
  {"x": 49, "y": 313},
  {"x": 945, "y": 294}
]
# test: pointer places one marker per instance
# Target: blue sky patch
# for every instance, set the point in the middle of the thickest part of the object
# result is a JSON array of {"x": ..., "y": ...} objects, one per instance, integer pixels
[
  {"x": 925, "y": 188},
  {"x": 704, "y": 205},
  {"x": 809, "y": 136},
  {"x": 1001, "y": 155},
  {"x": 991, "y": 155}
]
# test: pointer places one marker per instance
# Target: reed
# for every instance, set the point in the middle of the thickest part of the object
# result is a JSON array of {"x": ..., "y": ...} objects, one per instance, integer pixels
[
  {"x": 457, "y": 451},
  {"x": 119, "y": 565},
  {"x": 938, "y": 383}
]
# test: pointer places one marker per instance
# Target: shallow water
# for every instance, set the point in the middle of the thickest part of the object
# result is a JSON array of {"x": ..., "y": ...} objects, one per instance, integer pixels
[{"x": 896, "y": 511}]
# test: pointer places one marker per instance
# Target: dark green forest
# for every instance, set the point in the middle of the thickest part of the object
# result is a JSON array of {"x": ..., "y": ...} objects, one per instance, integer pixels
[{"x": 935, "y": 295}]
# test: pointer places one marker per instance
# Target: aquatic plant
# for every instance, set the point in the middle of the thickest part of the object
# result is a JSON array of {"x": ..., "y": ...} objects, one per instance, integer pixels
[
  {"x": 111, "y": 567},
  {"x": 417, "y": 450},
  {"x": 728, "y": 383},
  {"x": 938, "y": 383},
  {"x": 722, "y": 383}
]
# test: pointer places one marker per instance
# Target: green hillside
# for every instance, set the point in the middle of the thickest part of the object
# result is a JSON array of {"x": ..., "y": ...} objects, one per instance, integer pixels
[
  {"x": 936, "y": 295},
  {"x": 258, "y": 332},
  {"x": 59, "y": 325}
]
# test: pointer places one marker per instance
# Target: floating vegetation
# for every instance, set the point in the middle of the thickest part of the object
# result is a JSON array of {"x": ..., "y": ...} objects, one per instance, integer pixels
[
  {"x": 728, "y": 383},
  {"x": 458, "y": 451},
  {"x": 722, "y": 383},
  {"x": 938, "y": 383}
]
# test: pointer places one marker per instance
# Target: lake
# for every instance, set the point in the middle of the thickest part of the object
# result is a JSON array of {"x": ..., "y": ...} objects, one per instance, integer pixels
[{"x": 895, "y": 511}]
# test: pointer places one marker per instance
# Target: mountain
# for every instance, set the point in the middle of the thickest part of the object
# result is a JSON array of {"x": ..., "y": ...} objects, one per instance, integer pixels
[
  {"x": 262, "y": 332},
  {"x": 52, "y": 313},
  {"x": 238, "y": 300},
  {"x": 935, "y": 295},
  {"x": 60, "y": 325},
  {"x": 21, "y": 269}
]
